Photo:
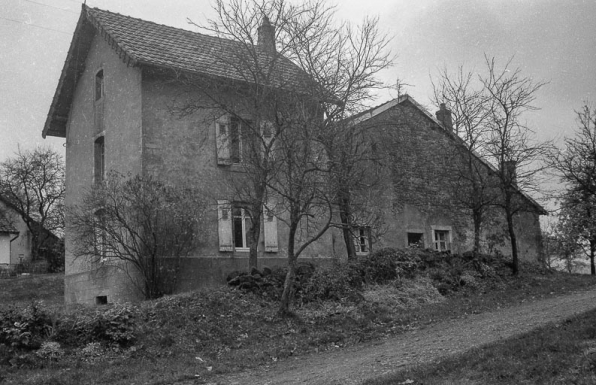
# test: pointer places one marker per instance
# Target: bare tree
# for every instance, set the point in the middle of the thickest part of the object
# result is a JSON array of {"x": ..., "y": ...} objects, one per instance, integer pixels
[
  {"x": 575, "y": 164},
  {"x": 139, "y": 225},
  {"x": 576, "y": 228},
  {"x": 32, "y": 183},
  {"x": 471, "y": 182},
  {"x": 296, "y": 74},
  {"x": 510, "y": 145}
]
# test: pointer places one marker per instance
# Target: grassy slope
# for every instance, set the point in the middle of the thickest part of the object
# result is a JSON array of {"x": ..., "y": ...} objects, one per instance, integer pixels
[
  {"x": 557, "y": 354},
  {"x": 198, "y": 334},
  {"x": 24, "y": 289}
]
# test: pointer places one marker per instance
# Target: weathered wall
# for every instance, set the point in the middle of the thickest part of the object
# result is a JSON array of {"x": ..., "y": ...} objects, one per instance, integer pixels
[
  {"x": 422, "y": 160},
  {"x": 5, "y": 248},
  {"x": 182, "y": 149},
  {"x": 122, "y": 135}
]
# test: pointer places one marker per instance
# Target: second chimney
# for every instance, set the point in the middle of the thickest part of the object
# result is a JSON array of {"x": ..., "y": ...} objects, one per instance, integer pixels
[
  {"x": 444, "y": 116},
  {"x": 266, "y": 38}
]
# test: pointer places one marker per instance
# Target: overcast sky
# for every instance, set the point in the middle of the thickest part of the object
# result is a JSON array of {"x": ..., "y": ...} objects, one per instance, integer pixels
[{"x": 551, "y": 40}]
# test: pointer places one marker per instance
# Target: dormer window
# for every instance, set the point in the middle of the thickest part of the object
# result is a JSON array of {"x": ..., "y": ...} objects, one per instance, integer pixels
[{"x": 99, "y": 91}]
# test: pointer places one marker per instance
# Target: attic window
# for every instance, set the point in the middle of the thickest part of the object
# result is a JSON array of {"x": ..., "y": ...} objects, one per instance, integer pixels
[{"x": 99, "y": 85}]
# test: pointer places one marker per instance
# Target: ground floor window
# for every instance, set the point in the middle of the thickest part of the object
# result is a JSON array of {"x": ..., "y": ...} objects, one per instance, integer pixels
[
  {"x": 442, "y": 240},
  {"x": 242, "y": 225},
  {"x": 362, "y": 239},
  {"x": 416, "y": 240}
]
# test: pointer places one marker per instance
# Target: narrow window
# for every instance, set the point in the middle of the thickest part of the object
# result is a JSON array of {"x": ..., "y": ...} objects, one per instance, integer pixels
[
  {"x": 99, "y": 85},
  {"x": 99, "y": 157},
  {"x": 100, "y": 235},
  {"x": 242, "y": 225},
  {"x": 235, "y": 141},
  {"x": 361, "y": 239}
]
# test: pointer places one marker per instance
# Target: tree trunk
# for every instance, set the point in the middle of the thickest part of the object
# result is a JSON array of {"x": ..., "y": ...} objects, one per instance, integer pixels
[
  {"x": 592, "y": 252},
  {"x": 514, "y": 256},
  {"x": 345, "y": 214},
  {"x": 286, "y": 296},
  {"x": 254, "y": 233},
  {"x": 477, "y": 223}
]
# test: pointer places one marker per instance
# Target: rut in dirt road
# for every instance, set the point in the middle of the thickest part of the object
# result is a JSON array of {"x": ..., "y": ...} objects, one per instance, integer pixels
[{"x": 359, "y": 363}]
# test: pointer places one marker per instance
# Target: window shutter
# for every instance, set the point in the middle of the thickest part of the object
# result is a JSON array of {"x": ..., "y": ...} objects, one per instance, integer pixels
[
  {"x": 224, "y": 221},
  {"x": 222, "y": 140},
  {"x": 270, "y": 230}
]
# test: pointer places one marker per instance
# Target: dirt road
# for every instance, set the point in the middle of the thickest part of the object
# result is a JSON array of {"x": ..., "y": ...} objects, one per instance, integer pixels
[{"x": 359, "y": 363}]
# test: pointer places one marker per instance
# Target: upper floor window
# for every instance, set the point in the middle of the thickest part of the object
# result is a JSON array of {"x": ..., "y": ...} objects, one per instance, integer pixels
[
  {"x": 99, "y": 90},
  {"x": 99, "y": 168}
]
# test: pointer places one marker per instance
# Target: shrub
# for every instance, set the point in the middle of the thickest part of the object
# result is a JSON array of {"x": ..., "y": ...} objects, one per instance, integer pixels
[
  {"x": 50, "y": 351},
  {"x": 388, "y": 264},
  {"x": 115, "y": 325},
  {"x": 342, "y": 280},
  {"x": 24, "y": 327}
]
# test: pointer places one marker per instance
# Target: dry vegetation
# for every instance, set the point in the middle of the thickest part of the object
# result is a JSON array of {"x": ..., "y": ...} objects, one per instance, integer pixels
[{"x": 199, "y": 334}]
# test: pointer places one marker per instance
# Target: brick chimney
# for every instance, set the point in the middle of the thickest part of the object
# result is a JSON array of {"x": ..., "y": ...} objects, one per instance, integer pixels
[
  {"x": 266, "y": 38},
  {"x": 444, "y": 116}
]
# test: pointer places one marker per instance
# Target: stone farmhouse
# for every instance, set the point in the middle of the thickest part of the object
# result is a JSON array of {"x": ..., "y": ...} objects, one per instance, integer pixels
[{"x": 112, "y": 106}]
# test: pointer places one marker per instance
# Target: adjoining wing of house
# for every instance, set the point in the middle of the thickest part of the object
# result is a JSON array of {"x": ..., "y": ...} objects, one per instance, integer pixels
[{"x": 375, "y": 111}]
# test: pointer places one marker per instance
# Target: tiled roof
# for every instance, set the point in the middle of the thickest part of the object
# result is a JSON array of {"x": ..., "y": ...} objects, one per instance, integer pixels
[
  {"x": 6, "y": 227},
  {"x": 147, "y": 44}
]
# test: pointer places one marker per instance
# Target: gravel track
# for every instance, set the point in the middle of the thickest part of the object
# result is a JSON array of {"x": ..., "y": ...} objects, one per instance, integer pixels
[{"x": 358, "y": 363}]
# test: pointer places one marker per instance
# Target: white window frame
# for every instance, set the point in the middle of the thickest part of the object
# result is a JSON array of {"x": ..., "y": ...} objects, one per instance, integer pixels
[
  {"x": 449, "y": 238},
  {"x": 360, "y": 234},
  {"x": 244, "y": 218}
]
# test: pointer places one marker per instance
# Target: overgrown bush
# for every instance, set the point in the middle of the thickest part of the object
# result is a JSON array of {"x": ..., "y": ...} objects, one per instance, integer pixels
[
  {"x": 447, "y": 272},
  {"x": 341, "y": 281},
  {"x": 25, "y": 327},
  {"x": 114, "y": 325}
]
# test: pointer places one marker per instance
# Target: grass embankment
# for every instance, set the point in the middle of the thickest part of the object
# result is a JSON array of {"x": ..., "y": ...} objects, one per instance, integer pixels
[
  {"x": 195, "y": 335},
  {"x": 21, "y": 290},
  {"x": 563, "y": 353}
]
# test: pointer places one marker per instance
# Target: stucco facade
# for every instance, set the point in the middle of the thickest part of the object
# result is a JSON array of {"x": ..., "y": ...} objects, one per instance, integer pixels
[
  {"x": 119, "y": 116},
  {"x": 419, "y": 200}
]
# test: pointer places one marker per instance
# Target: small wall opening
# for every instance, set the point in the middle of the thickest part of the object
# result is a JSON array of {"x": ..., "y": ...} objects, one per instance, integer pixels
[
  {"x": 416, "y": 240},
  {"x": 101, "y": 300}
]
